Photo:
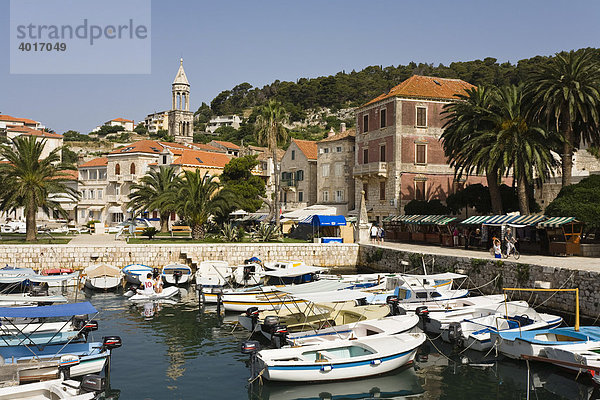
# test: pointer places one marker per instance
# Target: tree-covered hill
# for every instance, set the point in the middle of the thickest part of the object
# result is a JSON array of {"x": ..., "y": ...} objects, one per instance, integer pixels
[{"x": 350, "y": 89}]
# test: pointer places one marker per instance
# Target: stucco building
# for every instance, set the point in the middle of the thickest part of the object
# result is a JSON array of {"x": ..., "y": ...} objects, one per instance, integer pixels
[
  {"x": 299, "y": 174},
  {"x": 399, "y": 156},
  {"x": 335, "y": 164}
]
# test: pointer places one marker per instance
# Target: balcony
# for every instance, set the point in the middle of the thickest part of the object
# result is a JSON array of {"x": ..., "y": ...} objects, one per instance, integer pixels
[
  {"x": 129, "y": 178},
  {"x": 115, "y": 178},
  {"x": 378, "y": 169},
  {"x": 288, "y": 184},
  {"x": 112, "y": 198}
]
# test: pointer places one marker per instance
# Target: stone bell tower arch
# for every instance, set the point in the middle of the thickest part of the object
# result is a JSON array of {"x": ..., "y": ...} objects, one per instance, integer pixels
[{"x": 181, "y": 119}]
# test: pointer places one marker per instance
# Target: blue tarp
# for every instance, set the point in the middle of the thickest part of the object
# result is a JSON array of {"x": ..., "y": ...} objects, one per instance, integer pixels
[
  {"x": 324, "y": 220},
  {"x": 59, "y": 310}
]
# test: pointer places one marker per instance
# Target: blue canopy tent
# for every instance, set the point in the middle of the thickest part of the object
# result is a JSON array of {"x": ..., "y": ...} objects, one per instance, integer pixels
[
  {"x": 318, "y": 221},
  {"x": 58, "y": 310}
]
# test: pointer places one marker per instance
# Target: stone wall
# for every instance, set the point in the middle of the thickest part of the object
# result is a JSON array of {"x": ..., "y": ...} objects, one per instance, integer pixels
[
  {"x": 51, "y": 256},
  {"x": 497, "y": 274}
]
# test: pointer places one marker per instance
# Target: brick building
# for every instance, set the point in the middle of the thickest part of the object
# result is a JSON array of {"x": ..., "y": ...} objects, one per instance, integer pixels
[{"x": 399, "y": 156}]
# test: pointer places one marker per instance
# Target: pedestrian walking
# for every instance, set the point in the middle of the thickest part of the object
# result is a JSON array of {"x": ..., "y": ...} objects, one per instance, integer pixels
[
  {"x": 455, "y": 237},
  {"x": 373, "y": 233},
  {"x": 380, "y": 234}
]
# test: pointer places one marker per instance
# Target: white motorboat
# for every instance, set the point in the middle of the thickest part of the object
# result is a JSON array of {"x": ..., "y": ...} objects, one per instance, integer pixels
[
  {"x": 340, "y": 359},
  {"x": 515, "y": 344},
  {"x": 577, "y": 357},
  {"x": 176, "y": 274},
  {"x": 282, "y": 270},
  {"x": 133, "y": 272},
  {"x": 102, "y": 277},
  {"x": 213, "y": 274},
  {"x": 167, "y": 293},
  {"x": 249, "y": 274},
  {"x": 29, "y": 299},
  {"x": 392, "y": 325},
  {"x": 55, "y": 389},
  {"x": 474, "y": 332}
]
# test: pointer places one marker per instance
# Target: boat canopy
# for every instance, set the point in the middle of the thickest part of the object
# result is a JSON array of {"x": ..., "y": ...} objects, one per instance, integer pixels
[
  {"x": 59, "y": 310},
  {"x": 438, "y": 277},
  {"x": 294, "y": 271},
  {"x": 33, "y": 277},
  {"x": 312, "y": 287},
  {"x": 336, "y": 296},
  {"x": 96, "y": 271},
  {"x": 23, "y": 298},
  {"x": 324, "y": 220}
]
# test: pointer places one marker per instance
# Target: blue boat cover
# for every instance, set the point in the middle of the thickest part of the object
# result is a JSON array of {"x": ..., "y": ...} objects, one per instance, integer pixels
[
  {"x": 58, "y": 310},
  {"x": 324, "y": 220}
]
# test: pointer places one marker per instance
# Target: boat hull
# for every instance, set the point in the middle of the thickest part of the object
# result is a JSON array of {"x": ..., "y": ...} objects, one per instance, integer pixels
[{"x": 103, "y": 282}]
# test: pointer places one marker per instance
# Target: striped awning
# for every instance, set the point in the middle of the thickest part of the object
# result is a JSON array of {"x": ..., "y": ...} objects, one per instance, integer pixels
[
  {"x": 445, "y": 220},
  {"x": 555, "y": 222},
  {"x": 500, "y": 219},
  {"x": 527, "y": 220},
  {"x": 476, "y": 220},
  {"x": 388, "y": 219},
  {"x": 414, "y": 219},
  {"x": 431, "y": 219}
]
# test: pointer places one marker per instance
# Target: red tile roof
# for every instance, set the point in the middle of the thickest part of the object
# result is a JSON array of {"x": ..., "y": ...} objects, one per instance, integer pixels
[
  {"x": 25, "y": 130},
  {"x": 71, "y": 173},
  {"x": 13, "y": 119},
  {"x": 228, "y": 145},
  {"x": 122, "y": 120},
  {"x": 426, "y": 87},
  {"x": 206, "y": 147},
  {"x": 339, "y": 136},
  {"x": 198, "y": 158},
  {"x": 308, "y": 147},
  {"x": 265, "y": 155},
  {"x": 96, "y": 162},
  {"x": 141, "y": 146}
]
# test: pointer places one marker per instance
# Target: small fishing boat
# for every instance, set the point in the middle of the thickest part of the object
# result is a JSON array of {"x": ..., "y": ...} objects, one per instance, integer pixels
[
  {"x": 132, "y": 272},
  {"x": 340, "y": 359},
  {"x": 580, "y": 357},
  {"x": 515, "y": 344},
  {"x": 88, "y": 389},
  {"x": 282, "y": 269},
  {"x": 102, "y": 277},
  {"x": 213, "y": 274},
  {"x": 176, "y": 274},
  {"x": 474, "y": 333},
  {"x": 167, "y": 293},
  {"x": 249, "y": 274}
]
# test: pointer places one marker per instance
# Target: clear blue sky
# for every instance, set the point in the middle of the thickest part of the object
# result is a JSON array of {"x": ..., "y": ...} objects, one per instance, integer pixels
[{"x": 228, "y": 42}]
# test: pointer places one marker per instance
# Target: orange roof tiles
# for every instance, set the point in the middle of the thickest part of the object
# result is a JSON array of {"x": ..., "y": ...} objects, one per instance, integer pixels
[
  {"x": 141, "y": 146},
  {"x": 14, "y": 119},
  {"x": 71, "y": 173},
  {"x": 206, "y": 147},
  {"x": 25, "y": 130},
  {"x": 96, "y": 162},
  {"x": 198, "y": 158},
  {"x": 426, "y": 87},
  {"x": 228, "y": 145},
  {"x": 339, "y": 136},
  {"x": 122, "y": 120},
  {"x": 308, "y": 147}
]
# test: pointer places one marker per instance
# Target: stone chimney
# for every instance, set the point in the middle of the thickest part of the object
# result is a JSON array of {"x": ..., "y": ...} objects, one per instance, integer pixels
[
  {"x": 331, "y": 132},
  {"x": 343, "y": 127}
]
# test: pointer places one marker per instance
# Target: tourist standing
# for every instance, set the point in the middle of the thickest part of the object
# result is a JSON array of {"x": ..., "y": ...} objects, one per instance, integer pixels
[
  {"x": 497, "y": 247},
  {"x": 380, "y": 233},
  {"x": 373, "y": 233},
  {"x": 455, "y": 237}
]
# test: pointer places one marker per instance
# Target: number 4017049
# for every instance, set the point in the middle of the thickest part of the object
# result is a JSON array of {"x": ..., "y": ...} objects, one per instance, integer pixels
[{"x": 42, "y": 46}]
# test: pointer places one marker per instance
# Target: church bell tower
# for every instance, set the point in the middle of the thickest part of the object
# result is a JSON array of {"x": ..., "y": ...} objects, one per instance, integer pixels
[{"x": 181, "y": 119}]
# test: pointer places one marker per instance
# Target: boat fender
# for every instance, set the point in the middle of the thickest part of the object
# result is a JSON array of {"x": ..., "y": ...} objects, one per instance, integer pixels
[
  {"x": 111, "y": 342},
  {"x": 375, "y": 362},
  {"x": 423, "y": 313},
  {"x": 250, "y": 347},
  {"x": 279, "y": 336},
  {"x": 92, "y": 384},
  {"x": 454, "y": 331}
]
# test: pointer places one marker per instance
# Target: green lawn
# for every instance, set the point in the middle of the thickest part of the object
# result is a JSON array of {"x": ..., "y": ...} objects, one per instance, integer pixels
[{"x": 19, "y": 238}]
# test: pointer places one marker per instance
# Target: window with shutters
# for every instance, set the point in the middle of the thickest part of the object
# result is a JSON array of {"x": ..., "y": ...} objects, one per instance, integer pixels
[
  {"x": 382, "y": 153},
  {"x": 365, "y": 123},
  {"x": 339, "y": 169},
  {"x": 338, "y": 149},
  {"x": 365, "y": 156},
  {"x": 420, "y": 190},
  {"x": 132, "y": 169},
  {"x": 420, "y": 153},
  {"x": 100, "y": 194},
  {"x": 383, "y": 117},
  {"x": 326, "y": 150},
  {"x": 382, "y": 190},
  {"x": 300, "y": 175},
  {"x": 325, "y": 196},
  {"x": 421, "y": 117},
  {"x": 325, "y": 170},
  {"x": 339, "y": 196},
  {"x": 300, "y": 197}
]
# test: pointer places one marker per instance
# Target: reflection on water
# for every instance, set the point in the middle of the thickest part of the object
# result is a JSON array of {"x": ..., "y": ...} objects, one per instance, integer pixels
[{"x": 175, "y": 350}]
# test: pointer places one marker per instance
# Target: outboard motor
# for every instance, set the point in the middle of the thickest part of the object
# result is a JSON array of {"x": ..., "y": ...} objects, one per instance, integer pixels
[
  {"x": 252, "y": 313},
  {"x": 279, "y": 336},
  {"x": 79, "y": 321},
  {"x": 111, "y": 342},
  {"x": 177, "y": 274},
  {"x": 394, "y": 303},
  {"x": 423, "y": 313},
  {"x": 251, "y": 347},
  {"x": 64, "y": 365},
  {"x": 92, "y": 384},
  {"x": 270, "y": 323},
  {"x": 361, "y": 302},
  {"x": 455, "y": 333},
  {"x": 87, "y": 327}
]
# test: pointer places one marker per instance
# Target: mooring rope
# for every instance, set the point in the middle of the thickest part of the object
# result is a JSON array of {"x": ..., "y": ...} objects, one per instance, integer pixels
[
  {"x": 438, "y": 350},
  {"x": 561, "y": 286},
  {"x": 484, "y": 285}
]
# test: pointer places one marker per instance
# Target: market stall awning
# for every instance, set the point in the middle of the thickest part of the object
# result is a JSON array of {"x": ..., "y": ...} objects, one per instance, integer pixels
[
  {"x": 526, "y": 220},
  {"x": 445, "y": 220},
  {"x": 324, "y": 220},
  {"x": 476, "y": 220},
  {"x": 431, "y": 219},
  {"x": 555, "y": 222},
  {"x": 499, "y": 220},
  {"x": 414, "y": 219}
]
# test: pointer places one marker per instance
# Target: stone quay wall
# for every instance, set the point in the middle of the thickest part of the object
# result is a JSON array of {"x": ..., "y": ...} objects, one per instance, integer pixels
[
  {"x": 157, "y": 255},
  {"x": 498, "y": 274}
]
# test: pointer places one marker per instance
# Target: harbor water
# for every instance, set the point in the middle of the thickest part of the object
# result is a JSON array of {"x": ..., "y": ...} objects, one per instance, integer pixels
[{"x": 178, "y": 350}]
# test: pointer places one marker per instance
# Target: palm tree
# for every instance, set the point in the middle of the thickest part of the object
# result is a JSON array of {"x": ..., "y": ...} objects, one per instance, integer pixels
[
  {"x": 565, "y": 96},
  {"x": 271, "y": 131},
  {"x": 29, "y": 181},
  {"x": 198, "y": 198},
  {"x": 468, "y": 119},
  {"x": 520, "y": 144},
  {"x": 156, "y": 191}
]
